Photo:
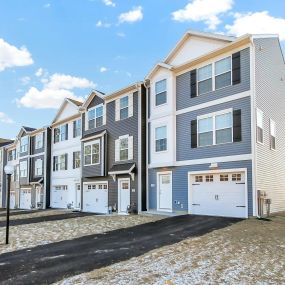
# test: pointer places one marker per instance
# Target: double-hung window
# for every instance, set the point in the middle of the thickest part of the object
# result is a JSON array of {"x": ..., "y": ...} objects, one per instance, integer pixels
[
  {"x": 161, "y": 139},
  {"x": 223, "y": 73},
  {"x": 76, "y": 128},
  {"x": 160, "y": 92},
  {"x": 215, "y": 129},
  {"x": 39, "y": 141},
  {"x": 124, "y": 107},
  {"x": 11, "y": 155},
  {"x": 259, "y": 126},
  {"x": 60, "y": 162},
  {"x": 205, "y": 79},
  {"x": 95, "y": 117},
  {"x": 76, "y": 159},
  {"x": 124, "y": 149},
  {"x": 63, "y": 132},
  {"x": 23, "y": 168},
  {"x": 24, "y": 144},
  {"x": 56, "y": 134},
  {"x": 272, "y": 134},
  {"x": 92, "y": 153},
  {"x": 39, "y": 167}
]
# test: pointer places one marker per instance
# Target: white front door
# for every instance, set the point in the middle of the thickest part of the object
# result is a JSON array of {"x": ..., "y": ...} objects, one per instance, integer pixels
[
  {"x": 12, "y": 200},
  {"x": 78, "y": 196},
  {"x": 124, "y": 195},
  {"x": 219, "y": 194},
  {"x": 38, "y": 195},
  {"x": 25, "y": 199},
  {"x": 164, "y": 192},
  {"x": 59, "y": 196}
]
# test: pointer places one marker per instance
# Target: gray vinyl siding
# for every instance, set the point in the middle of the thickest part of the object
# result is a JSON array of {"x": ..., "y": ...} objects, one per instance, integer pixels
[
  {"x": 33, "y": 145},
  {"x": 183, "y": 133},
  {"x": 47, "y": 170},
  {"x": 183, "y": 93},
  {"x": 270, "y": 92},
  {"x": 180, "y": 183}
]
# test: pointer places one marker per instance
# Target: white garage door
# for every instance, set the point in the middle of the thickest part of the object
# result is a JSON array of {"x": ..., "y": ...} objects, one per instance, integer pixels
[
  {"x": 25, "y": 198},
  {"x": 59, "y": 196},
  {"x": 95, "y": 198},
  {"x": 220, "y": 194}
]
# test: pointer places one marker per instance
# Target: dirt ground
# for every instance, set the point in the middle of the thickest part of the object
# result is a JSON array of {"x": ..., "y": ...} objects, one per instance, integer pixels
[{"x": 249, "y": 252}]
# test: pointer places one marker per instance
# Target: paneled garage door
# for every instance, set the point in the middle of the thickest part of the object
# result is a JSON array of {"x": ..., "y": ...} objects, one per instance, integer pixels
[
  {"x": 218, "y": 194},
  {"x": 95, "y": 198},
  {"x": 59, "y": 196},
  {"x": 25, "y": 198}
]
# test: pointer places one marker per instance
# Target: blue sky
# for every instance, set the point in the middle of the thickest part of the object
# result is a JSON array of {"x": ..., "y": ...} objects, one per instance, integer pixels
[{"x": 53, "y": 49}]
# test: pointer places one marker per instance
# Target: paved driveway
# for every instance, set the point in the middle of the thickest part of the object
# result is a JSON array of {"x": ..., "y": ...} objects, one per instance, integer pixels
[{"x": 49, "y": 263}]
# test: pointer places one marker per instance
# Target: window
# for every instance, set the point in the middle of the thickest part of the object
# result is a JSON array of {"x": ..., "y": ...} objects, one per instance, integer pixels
[
  {"x": 60, "y": 162},
  {"x": 161, "y": 139},
  {"x": 60, "y": 133},
  {"x": 223, "y": 73},
  {"x": 224, "y": 177},
  {"x": 95, "y": 117},
  {"x": 60, "y": 187},
  {"x": 205, "y": 79},
  {"x": 124, "y": 149},
  {"x": 24, "y": 144},
  {"x": 92, "y": 153},
  {"x": 56, "y": 134},
  {"x": 39, "y": 167},
  {"x": 39, "y": 141},
  {"x": 76, "y": 159},
  {"x": 23, "y": 168},
  {"x": 236, "y": 177},
  {"x": 259, "y": 122},
  {"x": 209, "y": 178},
  {"x": 160, "y": 92},
  {"x": 199, "y": 178},
  {"x": 77, "y": 128},
  {"x": 11, "y": 155},
  {"x": 124, "y": 107},
  {"x": 215, "y": 129},
  {"x": 272, "y": 134}
]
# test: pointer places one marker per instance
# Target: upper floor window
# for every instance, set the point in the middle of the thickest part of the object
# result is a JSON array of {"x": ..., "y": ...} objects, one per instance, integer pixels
[
  {"x": 160, "y": 92},
  {"x": 1, "y": 155},
  {"x": 92, "y": 153},
  {"x": 39, "y": 141},
  {"x": 23, "y": 168},
  {"x": 95, "y": 117},
  {"x": 39, "y": 167},
  {"x": 215, "y": 129},
  {"x": 124, "y": 148},
  {"x": 161, "y": 139},
  {"x": 223, "y": 73},
  {"x": 60, "y": 162},
  {"x": 259, "y": 126},
  {"x": 124, "y": 107},
  {"x": 61, "y": 133},
  {"x": 77, "y": 128},
  {"x": 205, "y": 79},
  {"x": 272, "y": 134},
  {"x": 76, "y": 159},
  {"x": 24, "y": 144},
  {"x": 12, "y": 155}
]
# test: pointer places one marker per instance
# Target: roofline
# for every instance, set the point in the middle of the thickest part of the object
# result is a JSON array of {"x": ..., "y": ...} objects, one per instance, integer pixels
[
  {"x": 90, "y": 97},
  {"x": 156, "y": 67}
]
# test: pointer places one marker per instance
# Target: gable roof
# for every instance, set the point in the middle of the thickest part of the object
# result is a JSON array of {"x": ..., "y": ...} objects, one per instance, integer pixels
[
  {"x": 91, "y": 96},
  {"x": 28, "y": 129},
  {"x": 75, "y": 102},
  {"x": 4, "y": 142}
]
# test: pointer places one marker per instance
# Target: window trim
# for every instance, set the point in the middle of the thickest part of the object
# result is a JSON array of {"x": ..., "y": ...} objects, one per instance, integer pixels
[
  {"x": 270, "y": 134},
  {"x": 214, "y": 115},
  {"x": 38, "y": 160},
  {"x": 231, "y": 71},
  {"x": 95, "y": 118},
  {"x": 91, "y": 144},
  {"x": 256, "y": 125},
  {"x": 26, "y": 169},
  {"x": 166, "y": 137},
  {"x": 127, "y": 107},
  {"x": 74, "y": 159},
  {"x": 198, "y": 81},
  {"x": 76, "y": 129},
  {"x": 42, "y": 141},
  {"x": 155, "y": 94},
  {"x": 120, "y": 139},
  {"x": 26, "y": 145}
]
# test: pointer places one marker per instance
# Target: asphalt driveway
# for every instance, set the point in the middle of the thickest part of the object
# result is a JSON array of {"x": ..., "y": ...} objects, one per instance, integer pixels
[{"x": 52, "y": 262}]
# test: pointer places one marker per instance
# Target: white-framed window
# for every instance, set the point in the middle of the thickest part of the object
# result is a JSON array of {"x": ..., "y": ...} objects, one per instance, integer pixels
[
  {"x": 236, "y": 177},
  {"x": 124, "y": 148},
  {"x": 205, "y": 79},
  {"x": 23, "y": 168},
  {"x": 92, "y": 153},
  {"x": 160, "y": 92},
  {"x": 224, "y": 177},
  {"x": 24, "y": 144},
  {"x": 124, "y": 107},
  {"x": 60, "y": 187},
  {"x": 39, "y": 141},
  {"x": 272, "y": 135},
  {"x": 77, "y": 128},
  {"x": 209, "y": 178},
  {"x": 76, "y": 159},
  {"x": 160, "y": 139},
  {"x": 60, "y": 162},
  {"x": 12, "y": 155},
  {"x": 95, "y": 117},
  {"x": 39, "y": 167},
  {"x": 259, "y": 126},
  {"x": 216, "y": 128},
  {"x": 60, "y": 133},
  {"x": 198, "y": 178},
  {"x": 223, "y": 72}
]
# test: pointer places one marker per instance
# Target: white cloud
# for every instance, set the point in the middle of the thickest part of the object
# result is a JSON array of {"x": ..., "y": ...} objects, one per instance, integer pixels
[
  {"x": 11, "y": 56},
  {"x": 207, "y": 11},
  {"x": 55, "y": 89},
  {"x": 257, "y": 23},
  {"x": 109, "y": 3},
  {"x": 101, "y": 24},
  {"x": 25, "y": 80},
  {"x": 103, "y": 69},
  {"x": 121, "y": 34},
  {"x": 39, "y": 72},
  {"x": 5, "y": 119},
  {"x": 132, "y": 16},
  {"x": 47, "y": 5}
]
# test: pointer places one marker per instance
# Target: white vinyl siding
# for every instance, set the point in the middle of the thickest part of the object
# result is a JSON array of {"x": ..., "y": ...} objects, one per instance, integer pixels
[
  {"x": 259, "y": 126},
  {"x": 160, "y": 92},
  {"x": 24, "y": 144},
  {"x": 39, "y": 167},
  {"x": 272, "y": 134},
  {"x": 39, "y": 141},
  {"x": 124, "y": 107},
  {"x": 23, "y": 169},
  {"x": 124, "y": 148},
  {"x": 92, "y": 153}
]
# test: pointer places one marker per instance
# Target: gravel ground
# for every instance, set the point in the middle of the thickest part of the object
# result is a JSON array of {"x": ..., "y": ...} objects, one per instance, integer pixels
[
  {"x": 30, "y": 235},
  {"x": 249, "y": 252}
]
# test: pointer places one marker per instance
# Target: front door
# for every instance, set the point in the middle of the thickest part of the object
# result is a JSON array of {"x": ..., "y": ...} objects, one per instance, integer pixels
[
  {"x": 124, "y": 193},
  {"x": 78, "y": 196},
  {"x": 165, "y": 192},
  {"x": 25, "y": 199}
]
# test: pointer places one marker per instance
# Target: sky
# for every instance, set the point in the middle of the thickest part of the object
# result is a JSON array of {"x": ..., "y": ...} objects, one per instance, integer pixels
[{"x": 54, "y": 49}]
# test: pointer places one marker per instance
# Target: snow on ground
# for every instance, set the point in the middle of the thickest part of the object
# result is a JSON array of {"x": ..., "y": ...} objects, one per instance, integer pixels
[
  {"x": 30, "y": 235},
  {"x": 249, "y": 252}
]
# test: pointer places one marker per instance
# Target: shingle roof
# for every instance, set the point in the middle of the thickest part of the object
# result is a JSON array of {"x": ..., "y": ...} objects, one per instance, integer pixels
[
  {"x": 28, "y": 129},
  {"x": 4, "y": 142},
  {"x": 123, "y": 167},
  {"x": 77, "y": 103}
]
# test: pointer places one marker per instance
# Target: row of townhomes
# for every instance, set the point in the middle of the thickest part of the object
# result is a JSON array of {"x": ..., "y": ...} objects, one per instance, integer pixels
[{"x": 203, "y": 133}]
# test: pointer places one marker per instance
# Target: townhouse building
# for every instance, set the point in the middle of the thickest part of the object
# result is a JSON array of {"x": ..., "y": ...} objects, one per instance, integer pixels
[
  {"x": 66, "y": 156},
  {"x": 216, "y": 126},
  {"x": 113, "y": 148}
]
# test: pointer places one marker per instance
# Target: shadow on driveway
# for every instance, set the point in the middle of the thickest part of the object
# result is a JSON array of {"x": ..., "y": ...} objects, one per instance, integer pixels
[{"x": 52, "y": 262}]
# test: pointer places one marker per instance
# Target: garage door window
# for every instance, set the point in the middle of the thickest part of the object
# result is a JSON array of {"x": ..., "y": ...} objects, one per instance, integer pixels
[
  {"x": 199, "y": 178},
  {"x": 236, "y": 177},
  {"x": 209, "y": 178},
  {"x": 224, "y": 177}
]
